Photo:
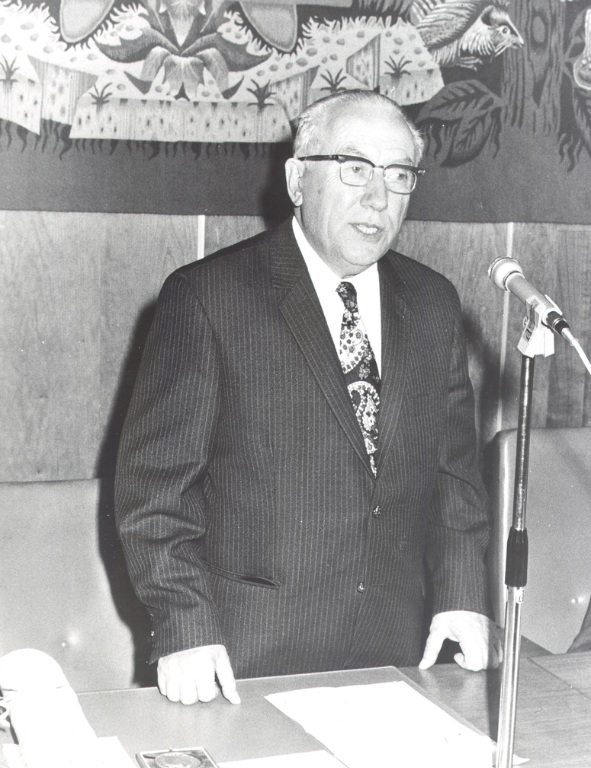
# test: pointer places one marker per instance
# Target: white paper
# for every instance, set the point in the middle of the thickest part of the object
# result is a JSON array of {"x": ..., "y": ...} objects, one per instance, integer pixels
[
  {"x": 111, "y": 752},
  {"x": 301, "y": 760},
  {"x": 385, "y": 725}
]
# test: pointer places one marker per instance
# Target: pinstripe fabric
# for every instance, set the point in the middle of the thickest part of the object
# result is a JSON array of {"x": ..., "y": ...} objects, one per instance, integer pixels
[{"x": 244, "y": 493}]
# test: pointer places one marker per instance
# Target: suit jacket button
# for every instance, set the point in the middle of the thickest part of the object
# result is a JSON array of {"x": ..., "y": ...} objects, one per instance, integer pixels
[
  {"x": 377, "y": 511},
  {"x": 361, "y": 587}
]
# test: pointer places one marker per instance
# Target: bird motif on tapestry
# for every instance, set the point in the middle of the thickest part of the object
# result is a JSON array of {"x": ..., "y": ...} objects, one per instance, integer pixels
[{"x": 465, "y": 33}]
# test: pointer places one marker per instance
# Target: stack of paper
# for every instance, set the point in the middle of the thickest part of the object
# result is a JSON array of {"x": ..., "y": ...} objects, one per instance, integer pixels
[{"x": 385, "y": 725}]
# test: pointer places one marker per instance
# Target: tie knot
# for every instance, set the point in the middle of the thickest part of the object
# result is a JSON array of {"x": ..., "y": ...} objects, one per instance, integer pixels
[{"x": 348, "y": 294}]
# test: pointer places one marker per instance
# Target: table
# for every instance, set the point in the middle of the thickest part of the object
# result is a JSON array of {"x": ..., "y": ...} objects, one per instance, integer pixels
[
  {"x": 553, "y": 721},
  {"x": 553, "y": 705},
  {"x": 572, "y": 668}
]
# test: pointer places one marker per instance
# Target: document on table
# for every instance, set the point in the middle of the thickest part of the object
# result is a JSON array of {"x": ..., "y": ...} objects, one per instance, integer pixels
[
  {"x": 385, "y": 725},
  {"x": 111, "y": 752},
  {"x": 301, "y": 760}
]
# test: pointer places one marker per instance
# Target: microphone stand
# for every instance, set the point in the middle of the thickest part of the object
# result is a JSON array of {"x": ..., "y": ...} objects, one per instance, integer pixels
[{"x": 536, "y": 339}]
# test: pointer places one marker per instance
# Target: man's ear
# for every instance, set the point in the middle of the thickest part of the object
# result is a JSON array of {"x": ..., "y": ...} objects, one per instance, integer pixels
[{"x": 293, "y": 174}]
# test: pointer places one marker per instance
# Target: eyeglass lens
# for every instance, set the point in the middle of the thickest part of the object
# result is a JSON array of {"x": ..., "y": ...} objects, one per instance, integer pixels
[{"x": 397, "y": 179}]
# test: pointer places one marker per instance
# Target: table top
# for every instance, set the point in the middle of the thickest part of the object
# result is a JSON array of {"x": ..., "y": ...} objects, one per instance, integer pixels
[
  {"x": 553, "y": 711},
  {"x": 572, "y": 668},
  {"x": 553, "y": 726},
  {"x": 144, "y": 720}
]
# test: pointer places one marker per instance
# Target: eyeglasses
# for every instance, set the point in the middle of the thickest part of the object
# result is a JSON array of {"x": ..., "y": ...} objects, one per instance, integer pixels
[{"x": 357, "y": 172}]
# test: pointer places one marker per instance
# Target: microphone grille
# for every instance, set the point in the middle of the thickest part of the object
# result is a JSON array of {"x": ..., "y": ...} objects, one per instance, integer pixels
[{"x": 500, "y": 270}]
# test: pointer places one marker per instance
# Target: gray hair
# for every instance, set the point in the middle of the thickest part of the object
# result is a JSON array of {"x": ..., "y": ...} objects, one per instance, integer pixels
[{"x": 312, "y": 119}]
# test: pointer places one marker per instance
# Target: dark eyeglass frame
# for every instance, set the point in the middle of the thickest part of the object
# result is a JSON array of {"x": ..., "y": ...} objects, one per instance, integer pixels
[{"x": 340, "y": 159}]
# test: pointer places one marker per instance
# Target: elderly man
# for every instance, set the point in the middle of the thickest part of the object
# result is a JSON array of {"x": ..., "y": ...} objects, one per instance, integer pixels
[{"x": 297, "y": 475}]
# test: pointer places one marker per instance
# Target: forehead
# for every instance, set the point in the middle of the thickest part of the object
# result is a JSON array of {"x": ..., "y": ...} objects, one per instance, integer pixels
[{"x": 368, "y": 130}]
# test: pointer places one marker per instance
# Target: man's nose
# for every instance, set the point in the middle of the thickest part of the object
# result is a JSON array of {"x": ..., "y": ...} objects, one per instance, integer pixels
[{"x": 375, "y": 194}]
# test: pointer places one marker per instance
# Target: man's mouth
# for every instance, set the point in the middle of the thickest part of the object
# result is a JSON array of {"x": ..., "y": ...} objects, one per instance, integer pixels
[{"x": 367, "y": 229}]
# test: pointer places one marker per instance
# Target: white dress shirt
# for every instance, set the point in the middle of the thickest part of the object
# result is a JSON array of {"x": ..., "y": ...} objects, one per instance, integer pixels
[{"x": 367, "y": 285}]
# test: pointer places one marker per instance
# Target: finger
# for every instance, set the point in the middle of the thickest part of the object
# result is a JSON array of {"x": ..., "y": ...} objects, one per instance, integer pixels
[
  {"x": 171, "y": 689},
  {"x": 432, "y": 648},
  {"x": 161, "y": 681},
  {"x": 493, "y": 653},
  {"x": 497, "y": 654},
  {"x": 226, "y": 678},
  {"x": 498, "y": 643},
  {"x": 205, "y": 678},
  {"x": 167, "y": 682},
  {"x": 471, "y": 660},
  {"x": 188, "y": 690}
]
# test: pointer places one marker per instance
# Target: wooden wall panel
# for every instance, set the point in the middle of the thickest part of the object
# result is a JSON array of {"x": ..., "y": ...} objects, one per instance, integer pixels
[
  {"x": 77, "y": 298},
  {"x": 534, "y": 246},
  {"x": 463, "y": 253},
  {"x": 569, "y": 393},
  {"x": 555, "y": 259},
  {"x": 78, "y": 292},
  {"x": 49, "y": 331},
  {"x": 140, "y": 252},
  {"x": 221, "y": 231}
]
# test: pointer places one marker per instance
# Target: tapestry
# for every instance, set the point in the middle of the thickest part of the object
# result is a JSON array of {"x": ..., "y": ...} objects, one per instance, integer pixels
[{"x": 187, "y": 106}]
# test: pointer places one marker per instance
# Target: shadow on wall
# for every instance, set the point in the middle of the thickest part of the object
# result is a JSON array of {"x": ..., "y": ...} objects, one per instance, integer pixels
[
  {"x": 483, "y": 361},
  {"x": 129, "y": 609},
  {"x": 107, "y": 457}
]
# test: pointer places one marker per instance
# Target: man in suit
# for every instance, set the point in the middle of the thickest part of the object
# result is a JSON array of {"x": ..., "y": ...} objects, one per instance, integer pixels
[{"x": 297, "y": 474}]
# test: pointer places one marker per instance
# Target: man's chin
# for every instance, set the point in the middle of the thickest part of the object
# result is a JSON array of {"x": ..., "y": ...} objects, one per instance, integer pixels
[
  {"x": 356, "y": 264},
  {"x": 368, "y": 255}
]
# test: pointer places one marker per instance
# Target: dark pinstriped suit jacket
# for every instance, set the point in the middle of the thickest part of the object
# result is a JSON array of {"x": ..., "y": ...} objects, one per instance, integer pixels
[{"x": 245, "y": 499}]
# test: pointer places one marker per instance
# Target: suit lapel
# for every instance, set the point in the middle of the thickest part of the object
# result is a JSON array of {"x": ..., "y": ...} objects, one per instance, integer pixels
[
  {"x": 303, "y": 314},
  {"x": 396, "y": 321}
]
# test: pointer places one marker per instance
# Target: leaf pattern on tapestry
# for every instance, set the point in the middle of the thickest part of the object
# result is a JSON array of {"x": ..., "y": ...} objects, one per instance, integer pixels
[{"x": 461, "y": 120}]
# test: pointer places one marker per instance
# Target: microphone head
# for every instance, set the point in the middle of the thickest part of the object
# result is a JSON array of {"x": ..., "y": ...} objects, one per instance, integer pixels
[{"x": 501, "y": 269}]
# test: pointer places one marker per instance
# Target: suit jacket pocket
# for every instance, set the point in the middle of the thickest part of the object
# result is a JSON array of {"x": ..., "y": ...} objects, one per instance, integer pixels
[{"x": 243, "y": 578}]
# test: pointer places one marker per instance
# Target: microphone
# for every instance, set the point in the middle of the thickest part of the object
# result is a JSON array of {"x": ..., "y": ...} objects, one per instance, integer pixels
[{"x": 508, "y": 275}]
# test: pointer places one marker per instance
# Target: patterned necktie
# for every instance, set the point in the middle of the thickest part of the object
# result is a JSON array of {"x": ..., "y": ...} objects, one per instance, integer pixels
[{"x": 361, "y": 370}]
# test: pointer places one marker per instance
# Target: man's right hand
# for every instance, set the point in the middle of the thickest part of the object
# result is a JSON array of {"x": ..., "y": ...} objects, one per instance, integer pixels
[{"x": 189, "y": 676}]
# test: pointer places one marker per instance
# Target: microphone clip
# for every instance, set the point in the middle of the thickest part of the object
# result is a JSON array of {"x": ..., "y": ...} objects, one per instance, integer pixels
[{"x": 538, "y": 336}]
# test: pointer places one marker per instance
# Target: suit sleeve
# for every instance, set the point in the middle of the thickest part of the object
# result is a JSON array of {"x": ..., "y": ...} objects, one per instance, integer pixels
[
  {"x": 458, "y": 527},
  {"x": 167, "y": 440}
]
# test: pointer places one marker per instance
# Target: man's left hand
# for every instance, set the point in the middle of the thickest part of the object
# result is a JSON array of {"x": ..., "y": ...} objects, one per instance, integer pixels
[{"x": 478, "y": 636}]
